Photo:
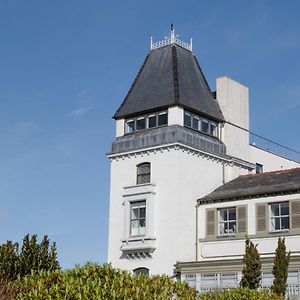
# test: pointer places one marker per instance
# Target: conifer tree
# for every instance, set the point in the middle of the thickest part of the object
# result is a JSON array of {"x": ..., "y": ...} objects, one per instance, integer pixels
[
  {"x": 280, "y": 268},
  {"x": 252, "y": 266}
]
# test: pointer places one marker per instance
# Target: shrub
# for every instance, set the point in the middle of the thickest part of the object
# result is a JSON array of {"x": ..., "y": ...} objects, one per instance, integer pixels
[
  {"x": 240, "y": 294},
  {"x": 280, "y": 268},
  {"x": 32, "y": 256},
  {"x": 252, "y": 266},
  {"x": 95, "y": 282}
]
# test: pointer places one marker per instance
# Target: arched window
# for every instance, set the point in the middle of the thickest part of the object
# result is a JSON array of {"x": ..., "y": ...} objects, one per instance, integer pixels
[
  {"x": 143, "y": 173},
  {"x": 143, "y": 271}
]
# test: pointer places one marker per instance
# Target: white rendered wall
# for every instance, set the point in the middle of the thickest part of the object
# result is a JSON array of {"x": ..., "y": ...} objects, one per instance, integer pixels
[
  {"x": 230, "y": 249},
  {"x": 175, "y": 115},
  {"x": 269, "y": 160},
  {"x": 233, "y": 99},
  {"x": 180, "y": 177},
  {"x": 120, "y": 127}
]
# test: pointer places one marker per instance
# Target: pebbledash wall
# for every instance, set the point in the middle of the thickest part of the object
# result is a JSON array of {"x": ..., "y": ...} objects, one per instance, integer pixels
[{"x": 185, "y": 165}]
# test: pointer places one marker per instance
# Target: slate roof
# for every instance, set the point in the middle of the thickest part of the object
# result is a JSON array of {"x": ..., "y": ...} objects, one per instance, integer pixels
[
  {"x": 169, "y": 76},
  {"x": 257, "y": 185}
]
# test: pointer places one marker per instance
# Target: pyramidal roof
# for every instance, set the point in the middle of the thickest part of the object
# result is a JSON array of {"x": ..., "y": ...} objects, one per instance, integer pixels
[{"x": 169, "y": 76}]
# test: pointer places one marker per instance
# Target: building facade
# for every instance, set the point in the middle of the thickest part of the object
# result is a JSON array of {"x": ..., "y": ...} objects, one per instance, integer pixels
[{"x": 176, "y": 142}]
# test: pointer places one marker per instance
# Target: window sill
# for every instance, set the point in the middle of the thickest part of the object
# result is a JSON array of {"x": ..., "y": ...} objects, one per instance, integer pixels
[{"x": 139, "y": 244}]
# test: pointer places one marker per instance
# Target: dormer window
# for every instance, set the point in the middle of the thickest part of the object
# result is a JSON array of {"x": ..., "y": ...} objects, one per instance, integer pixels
[
  {"x": 146, "y": 121},
  {"x": 201, "y": 124}
]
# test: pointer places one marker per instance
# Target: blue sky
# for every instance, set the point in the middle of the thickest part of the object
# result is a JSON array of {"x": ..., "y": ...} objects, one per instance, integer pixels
[{"x": 66, "y": 65}]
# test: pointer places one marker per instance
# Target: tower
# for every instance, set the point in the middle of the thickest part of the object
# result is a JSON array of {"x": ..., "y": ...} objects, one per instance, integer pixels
[{"x": 170, "y": 149}]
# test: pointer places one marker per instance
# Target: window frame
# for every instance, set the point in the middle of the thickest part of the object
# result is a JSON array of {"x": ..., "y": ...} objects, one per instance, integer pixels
[
  {"x": 140, "y": 204},
  {"x": 146, "y": 118},
  {"x": 200, "y": 120},
  {"x": 279, "y": 216},
  {"x": 143, "y": 174},
  {"x": 228, "y": 221}
]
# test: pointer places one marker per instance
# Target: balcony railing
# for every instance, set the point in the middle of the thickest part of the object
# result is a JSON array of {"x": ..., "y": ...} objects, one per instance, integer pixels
[{"x": 273, "y": 147}]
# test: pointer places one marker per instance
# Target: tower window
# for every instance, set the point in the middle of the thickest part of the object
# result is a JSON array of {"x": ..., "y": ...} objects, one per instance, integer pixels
[
  {"x": 138, "y": 218},
  {"x": 259, "y": 168},
  {"x": 146, "y": 121},
  {"x": 143, "y": 173},
  {"x": 162, "y": 119},
  {"x": 200, "y": 124}
]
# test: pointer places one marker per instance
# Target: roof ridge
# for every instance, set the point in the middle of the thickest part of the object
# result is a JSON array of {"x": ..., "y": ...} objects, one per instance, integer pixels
[
  {"x": 272, "y": 172},
  {"x": 175, "y": 74}
]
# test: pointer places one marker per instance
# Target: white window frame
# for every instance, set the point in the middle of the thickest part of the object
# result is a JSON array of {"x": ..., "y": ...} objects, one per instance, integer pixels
[
  {"x": 138, "y": 205},
  {"x": 280, "y": 216},
  {"x": 220, "y": 222}
]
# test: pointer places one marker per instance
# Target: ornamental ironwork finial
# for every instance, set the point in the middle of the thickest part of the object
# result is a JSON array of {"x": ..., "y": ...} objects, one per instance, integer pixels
[{"x": 171, "y": 39}]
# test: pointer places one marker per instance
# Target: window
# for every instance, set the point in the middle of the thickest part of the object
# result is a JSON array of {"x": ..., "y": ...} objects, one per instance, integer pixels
[
  {"x": 191, "y": 280},
  {"x": 143, "y": 173},
  {"x": 140, "y": 123},
  {"x": 138, "y": 218},
  {"x": 152, "y": 121},
  {"x": 146, "y": 121},
  {"x": 162, "y": 119},
  {"x": 227, "y": 221},
  {"x": 279, "y": 216},
  {"x": 187, "y": 120},
  {"x": 201, "y": 124},
  {"x": 130, "y": 127},
  {"x": 259, "y": 168},
  {"x": 141, "y": 271}
]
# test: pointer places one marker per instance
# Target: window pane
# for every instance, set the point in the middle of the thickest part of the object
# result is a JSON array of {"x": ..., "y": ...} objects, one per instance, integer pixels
[
  {"x": 187, "y": 120},
  {"x": 285, "y": 223},
  {"x": 162, "y": 119},
  {"x": 140, "y": 124},
  {"x": 213, "y": 129},
  {"x": 195, "y": 123},
  {"x": 204, "y": 126},
  {"x": 232, "y": 214},
  {"x": 231, "y": 227},
  {"x": 275, "y": 209},
  {"x": 130, "y": 126},
  {"x": 144, "y": 168},
  {"x": 142, "y": 212},
  {"x": 134, "y": 213},
  {"x": 284, "y": 209},
  {"x": 223, "y": 214},
  {"x": 144, "y": 178},
  {"x": 134, "y": 227},
  {"x": 152, "y": 121}
]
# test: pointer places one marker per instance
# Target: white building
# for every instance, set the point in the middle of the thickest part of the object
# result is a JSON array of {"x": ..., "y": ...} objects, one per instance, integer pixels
[{"x": 176, "y": 142}]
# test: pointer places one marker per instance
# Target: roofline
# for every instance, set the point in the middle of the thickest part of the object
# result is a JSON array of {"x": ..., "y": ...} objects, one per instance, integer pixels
[{"x": 247, "y": 196}]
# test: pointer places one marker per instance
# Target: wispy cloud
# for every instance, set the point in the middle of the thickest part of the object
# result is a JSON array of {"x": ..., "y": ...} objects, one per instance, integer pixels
[
  {"x": 79, "y": 112},
  {"x": 83, "y": 105},
  {"x": 25, "y": 127}
]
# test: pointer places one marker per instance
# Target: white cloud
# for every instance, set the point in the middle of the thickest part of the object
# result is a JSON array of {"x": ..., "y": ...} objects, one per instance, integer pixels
[
  {"x": 25, "y": 127},
  {"x": 79, "y": 112}
]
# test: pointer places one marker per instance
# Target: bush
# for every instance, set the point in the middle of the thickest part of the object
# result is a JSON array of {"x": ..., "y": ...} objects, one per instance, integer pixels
[
  {"x": 240, "y": 294},
  {"x": 95, "y": 282},
  {"x": 32, "y": 256}
]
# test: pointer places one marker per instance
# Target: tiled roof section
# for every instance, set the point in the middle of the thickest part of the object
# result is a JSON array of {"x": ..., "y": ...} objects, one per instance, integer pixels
[
  {"x": 257, "y": 185},
  {"x": 170, "y": 75}
]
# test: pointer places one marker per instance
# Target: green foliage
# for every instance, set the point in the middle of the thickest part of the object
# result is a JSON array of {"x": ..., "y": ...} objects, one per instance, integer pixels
[
  {"x": 280, "y": 268},
  {"x": 240, "y": 294},
  {"x": 32, "y": 257},
  {"x": 252, "y": 267},
  {"x": 99, "y": 282}
]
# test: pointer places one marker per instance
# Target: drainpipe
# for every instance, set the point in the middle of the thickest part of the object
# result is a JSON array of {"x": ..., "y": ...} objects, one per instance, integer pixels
[
  {"x": 223, "y": 163},
  {"x": 196, "y": 241}
]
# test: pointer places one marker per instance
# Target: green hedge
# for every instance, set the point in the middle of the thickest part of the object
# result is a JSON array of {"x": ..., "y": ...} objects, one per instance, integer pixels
[{"x": 93, "y": 282}]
